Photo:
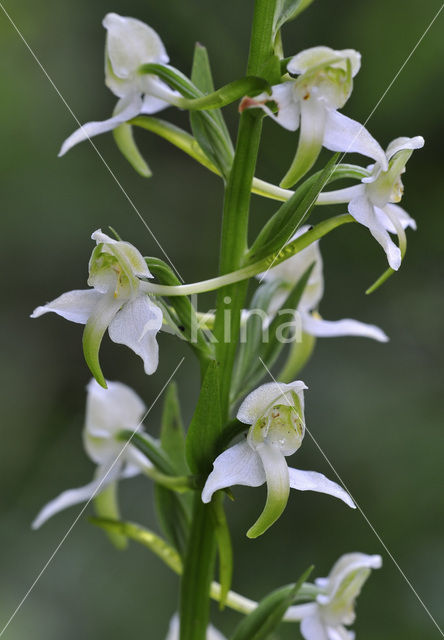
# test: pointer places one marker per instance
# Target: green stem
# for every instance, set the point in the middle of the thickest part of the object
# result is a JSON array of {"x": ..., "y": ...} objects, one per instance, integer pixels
[
  {"x": 200, "y": 556},
  {"x": 198, "y": 573},
  {"x": 291, "y": 249},
  {"x": 230, "y": 300}
]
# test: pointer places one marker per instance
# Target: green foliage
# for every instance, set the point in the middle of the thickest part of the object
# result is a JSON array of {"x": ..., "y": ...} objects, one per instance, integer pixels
[
  {"x": 291, "y": 215},
  {"x": 224, "y": 548},
  {"x": 206, "y": 425},
  {"x": 211, "y": 135},
  {"x": 261, "y": 622},
  {"x": 287, "y": 10},
  {"x": 173, "y": 510}
]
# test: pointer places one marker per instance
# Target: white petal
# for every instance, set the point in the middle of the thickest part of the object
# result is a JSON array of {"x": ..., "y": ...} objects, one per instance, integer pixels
[
  {"x": 75, "y": 496},
  {"x": 305, "y": 60},
  {"x": 136, "y": 325},
  {"x": 313, "y": 481},
  {"x": 131, "y": 43},
  {"x": 158, "y": 95},
  {"x": 130, "y": 258},
  {"x": 347, "y": 135},
  {"x": 124, "y": 111},
  {"x": 399, "y": 213},
  {"x": 345, "y": 566},
  {"x": 300, "y": 611},
  {"x": 401, "y": 144},
  {"x": 258, "y": 401},
  {"x": 313, "y": 629},
  {"x": 174, "y": 628},
  {"x": 76, "y": 306},
  {"x": 237, "y": 465},
  {"x": 287, "y": 102},
  {"x": 278, "y": 487},
  {"x": 339, "y": 633},
  {"x": 313, "y": 119},
  {"x": 339, "y": 196},
  {"x": 109, "y": 411},
  {"x": 291, "y": 270},
  {"x": 363, "y": 211},
  {"x": 347, "y": 327}
]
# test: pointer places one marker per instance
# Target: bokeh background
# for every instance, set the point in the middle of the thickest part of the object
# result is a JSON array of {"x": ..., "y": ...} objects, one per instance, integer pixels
[{"x": 375, "y": 409}]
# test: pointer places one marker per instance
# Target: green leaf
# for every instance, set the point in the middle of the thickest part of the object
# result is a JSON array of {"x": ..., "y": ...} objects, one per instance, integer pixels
[
  {"x": 269, "y": 351},
  {"x": 183, "y": 308},
  {"x": 173, "y": 510},
  {"x": 150, "y": 448},
  {"x": 206, "y": 127},
  {"x": 251, "y": 337},
  {"x": 205, "y": 427},
  {"x": 172, "y": 434},
  {"x": 173, "y": 516},
  {"x": 224, "y": 547},
  {"x": 269, "y": 613},
  {"x": 145, "y": 537},
  {"x": 203, "y": 79},
  {"x": 287, "y": 10},
  {"x": 291, "y": 215},
  {"x": 197, "y": 573},
  {"x": 124, "y": 139}
]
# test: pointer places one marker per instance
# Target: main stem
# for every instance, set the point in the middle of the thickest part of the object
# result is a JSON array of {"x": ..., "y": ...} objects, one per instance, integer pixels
[
  {"x": 234, "y": 241},
  {"x": 198, "y": 568}
]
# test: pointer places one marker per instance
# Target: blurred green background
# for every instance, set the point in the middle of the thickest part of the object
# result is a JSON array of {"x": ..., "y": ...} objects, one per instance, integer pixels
[{"x": 375, "y": 409}]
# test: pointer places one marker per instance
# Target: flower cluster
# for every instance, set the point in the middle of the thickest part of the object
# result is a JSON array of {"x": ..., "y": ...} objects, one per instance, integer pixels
[{"x": 237, "y": 444}]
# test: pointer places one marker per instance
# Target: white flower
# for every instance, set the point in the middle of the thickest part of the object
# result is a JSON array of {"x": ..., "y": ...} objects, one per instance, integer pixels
[
  {"x": 115, "y": 303},
  {"x": 130, "y": 43},
  {"x": 174, "y": 629},
  {"x": 371, "y": 202},
  {"x": 334, "y": 607},
  {"x": 289, "y": 272},
  {"x": 310, "y": 101},
  {"x": 108, "y": 411},
  {"x": 276, "y": 413}
]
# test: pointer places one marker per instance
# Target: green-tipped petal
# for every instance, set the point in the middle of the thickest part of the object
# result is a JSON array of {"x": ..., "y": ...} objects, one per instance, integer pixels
[
  {"x": 278, "y": 488},
  {"x": 98, "y": 322},
  {"x": 313, "y": 117},
  {"x": 124, "y": 138}
]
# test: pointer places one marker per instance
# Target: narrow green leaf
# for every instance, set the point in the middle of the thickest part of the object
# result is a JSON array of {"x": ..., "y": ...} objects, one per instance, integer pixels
[
  {"x": 172, "y": 434},
  {"x": 173, "y": 516},
  {"x": 270, "y": 350},
  {"x": 210, "y": 129},
  {"x": 150, "y": 448},
  {"x": 269, "y": 613},
  {"x": 206, "y": 127},
  {"x": 287, "y": 10},
  {"x": 145, "y": 537},
  {"x": 291, "y": 215},
  {"x": 183, "y": 308},
  {"x": 202, "y": 77},
  {"x": 251, "y": 337},
  {"x": 205, "y": 427},
  {"x": 124, "y": 139},
  {"x": 225, "y": 550},
  {"x": 198, "y": 573}
]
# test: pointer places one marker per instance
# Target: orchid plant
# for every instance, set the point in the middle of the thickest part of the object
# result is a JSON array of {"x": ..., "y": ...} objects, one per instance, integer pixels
[{"x": 243, "y": 428}]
